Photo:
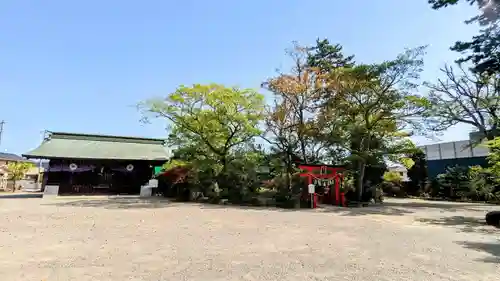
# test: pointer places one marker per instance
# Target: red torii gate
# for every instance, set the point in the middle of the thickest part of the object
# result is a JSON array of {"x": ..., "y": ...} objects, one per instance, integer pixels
[{"x": 328, "y": 176}]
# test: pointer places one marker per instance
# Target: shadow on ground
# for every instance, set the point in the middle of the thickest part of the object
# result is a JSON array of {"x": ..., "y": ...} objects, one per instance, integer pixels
[
  {"x": 388, "y": 208},
  {"x": 447, "y": 206},
  {"x": 465, "y": 224},
  {"x": 153, "y": 203},
  {"x": 20, "y": 196},
  {"x": 400, "y": 207},
  {"x": 116, "y": 203},
  {"x": 493, "y": 249},
  {"x": 342, "y": 211}
]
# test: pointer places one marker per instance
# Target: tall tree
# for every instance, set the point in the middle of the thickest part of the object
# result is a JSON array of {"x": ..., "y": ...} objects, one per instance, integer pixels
[
  {"x": 211, "y": 120},
  {"x": 483, "y": 50},
  {"x": 294, "y": 93},
  {"x": 375, "y": 103},
  {"x": 489, "y": 8},
  {"x": 326, "y": 58},
  {"x": 281, "y": 134},
  {"x": 467, "y": 98}
]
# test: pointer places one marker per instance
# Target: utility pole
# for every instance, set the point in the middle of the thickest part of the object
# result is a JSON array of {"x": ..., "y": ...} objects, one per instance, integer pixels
[{"x": 1, "y": 130}]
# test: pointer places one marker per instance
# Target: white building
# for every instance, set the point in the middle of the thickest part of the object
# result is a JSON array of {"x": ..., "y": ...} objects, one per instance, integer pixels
[
  {"x": 398, "y": 168},
  {"x": 453, "y": 150}
]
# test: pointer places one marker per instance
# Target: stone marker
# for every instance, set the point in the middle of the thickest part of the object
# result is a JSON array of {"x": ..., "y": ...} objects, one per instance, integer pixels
[
  {"x": 51, "y": 191},
  {"x": 146, "y": 191}
]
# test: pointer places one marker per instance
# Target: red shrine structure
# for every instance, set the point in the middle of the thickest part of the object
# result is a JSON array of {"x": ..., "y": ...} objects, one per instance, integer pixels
[{"x": 328, "y": 180}]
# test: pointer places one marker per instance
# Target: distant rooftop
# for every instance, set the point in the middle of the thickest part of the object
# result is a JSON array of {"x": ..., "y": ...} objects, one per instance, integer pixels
[{"x": 10, "y": 157}]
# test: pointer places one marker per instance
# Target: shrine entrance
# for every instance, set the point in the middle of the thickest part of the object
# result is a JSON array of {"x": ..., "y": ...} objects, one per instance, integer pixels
[{"x": 328, "y": 181}]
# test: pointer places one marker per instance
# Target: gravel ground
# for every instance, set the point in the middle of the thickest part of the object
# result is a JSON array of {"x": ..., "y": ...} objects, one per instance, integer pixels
[{"x": 130, "y": 239}]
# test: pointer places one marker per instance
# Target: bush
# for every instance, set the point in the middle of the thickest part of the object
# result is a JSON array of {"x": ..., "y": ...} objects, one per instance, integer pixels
[
  {"x": 482, "y": 185},
  {"x": 454, "y": 183},
  {"x": 286, "y": 196},
  {"x": 392, "y": 184},
  {"x": 493, "y": 218},
  {"x": 474, "y": 183},
  {"x": 391, "y": 189}
]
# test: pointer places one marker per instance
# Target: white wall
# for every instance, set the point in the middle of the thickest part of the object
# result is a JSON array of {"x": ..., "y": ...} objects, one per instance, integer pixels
[{"x": 452, "y": 150}]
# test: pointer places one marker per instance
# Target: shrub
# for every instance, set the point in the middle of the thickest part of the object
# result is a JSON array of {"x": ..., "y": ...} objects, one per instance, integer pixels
[
  {"x": 482, "y": 184},
  {"x": 474, "y": 183},
  {"x": 288, "y": 196},
  {"x": 454, "y": 183},
  {"x": 391, "y": 189},
  {"x": 493, "y": 218}
]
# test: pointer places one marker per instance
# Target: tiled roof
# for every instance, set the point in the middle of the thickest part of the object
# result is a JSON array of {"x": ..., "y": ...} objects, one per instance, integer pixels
[
  {"x": 86, "y": 146},
  {"x": 10, "y": 157}
]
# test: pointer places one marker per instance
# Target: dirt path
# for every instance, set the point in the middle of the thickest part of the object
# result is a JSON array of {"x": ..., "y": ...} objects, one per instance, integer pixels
[{"x": 129, "y": 239}]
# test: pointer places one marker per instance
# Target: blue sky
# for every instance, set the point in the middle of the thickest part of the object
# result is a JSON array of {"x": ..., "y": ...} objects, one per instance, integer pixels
[{"x": 81, "y": 66}]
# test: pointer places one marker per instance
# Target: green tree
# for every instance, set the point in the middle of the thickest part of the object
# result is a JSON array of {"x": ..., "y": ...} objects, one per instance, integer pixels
[
  {"x": 482, "y": 49},
  {"x": 454, "y": 182},
  {"x": 418, "y": 172},
  {"x": 372, "y": 105},
  {"x": 17, "y": 171},
  {"x": 494, "y": 158},
  {"x": 489, "y": 9},
  {"x": 327, "y": 57},
  {"x": 209, "y": 122},
  {"x": 483, "y": 184},
  {"x": 485, "y": 181},
  {"x": 466, "y": 98}
]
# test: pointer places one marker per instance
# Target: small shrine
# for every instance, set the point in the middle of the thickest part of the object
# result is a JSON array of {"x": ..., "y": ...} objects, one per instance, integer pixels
[{"x": 327, "y": 182}]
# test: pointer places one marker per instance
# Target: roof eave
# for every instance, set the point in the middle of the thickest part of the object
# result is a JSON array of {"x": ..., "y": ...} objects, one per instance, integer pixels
[{"x": 86, "y": 158}]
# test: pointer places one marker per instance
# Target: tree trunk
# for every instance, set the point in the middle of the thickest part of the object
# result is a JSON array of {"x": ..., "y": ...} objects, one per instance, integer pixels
[
  {"x": 360, "y": 183},
  {"x": 365, "y": 147},
  {"x": 13, "y": 185},
  {"x": 302, "y": 137},
  {"x": 288, "y": 176},
  {"x": 303, "y": 150},
  {"x": 224, "y": 165},
  {"x": 220, "y": 177},
  {"x": 289, "y": 169},
  {"x": 421, "y": 187}
]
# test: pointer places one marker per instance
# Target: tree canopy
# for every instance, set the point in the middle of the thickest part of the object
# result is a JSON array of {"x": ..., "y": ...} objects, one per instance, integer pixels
[
  {"x": 483, "y": 49},
  {"x": 331, "y": 107},
  {"x": 467, "y": 98},
  {"x": 211, "y": 120}
]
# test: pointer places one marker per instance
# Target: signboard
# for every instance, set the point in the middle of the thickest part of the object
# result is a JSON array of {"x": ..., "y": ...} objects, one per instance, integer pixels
[
  {"x": 145, "y": 191},
  {"x": 310, "y": 188},
  {"x": 153, "y": 183},
  {"x": 158, "y": 170}
]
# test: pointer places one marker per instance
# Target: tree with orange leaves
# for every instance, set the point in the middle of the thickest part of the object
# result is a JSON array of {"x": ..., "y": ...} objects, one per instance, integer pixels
[{"x": 291, "y": 119}]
